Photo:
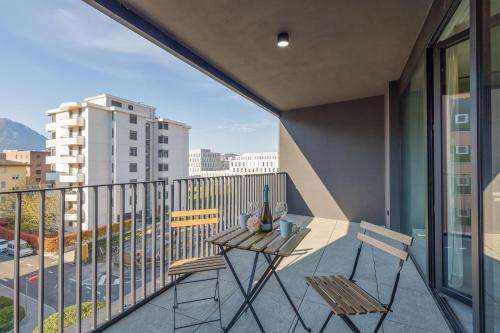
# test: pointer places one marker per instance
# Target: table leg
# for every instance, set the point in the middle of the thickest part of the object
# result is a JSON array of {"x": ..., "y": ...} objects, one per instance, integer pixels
[
  {"x": 245, "y": 295},
  {"x": 268, "y": 258},
  {"x": 252, "y": 275},
  {"x": 264, "y": 278}
]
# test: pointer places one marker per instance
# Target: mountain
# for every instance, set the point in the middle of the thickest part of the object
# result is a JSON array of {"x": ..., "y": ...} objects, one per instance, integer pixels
[{"x": 14, "y": 135}]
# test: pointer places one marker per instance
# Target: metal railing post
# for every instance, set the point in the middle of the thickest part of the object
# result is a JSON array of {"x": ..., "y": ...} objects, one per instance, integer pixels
[{"x": 41, "y": 261}]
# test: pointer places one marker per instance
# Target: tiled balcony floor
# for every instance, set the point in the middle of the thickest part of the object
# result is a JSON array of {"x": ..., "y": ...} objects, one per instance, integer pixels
[{"x": 329, "y": 248}]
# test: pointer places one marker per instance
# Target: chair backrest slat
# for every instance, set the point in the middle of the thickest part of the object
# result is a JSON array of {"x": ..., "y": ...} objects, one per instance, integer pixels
[
  {"x": 403, "y": 255},
  {"x": 405, "y": 239},
  {"x": 192, "y": 218},
  {"x": 188, "y": 213},
  {"x": 191, "y": 223}
]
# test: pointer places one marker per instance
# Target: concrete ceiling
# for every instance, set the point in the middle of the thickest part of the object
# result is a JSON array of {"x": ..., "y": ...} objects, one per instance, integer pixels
[{"x": 339, "y": 50}]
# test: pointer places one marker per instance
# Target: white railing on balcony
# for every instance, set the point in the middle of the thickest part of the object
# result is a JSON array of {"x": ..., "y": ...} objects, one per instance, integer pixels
[{"x": 72, "y": 122}]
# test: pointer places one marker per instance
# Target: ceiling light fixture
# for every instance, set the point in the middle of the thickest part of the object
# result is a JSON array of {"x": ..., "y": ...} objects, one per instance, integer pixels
[{"x": 283, "y": 39}]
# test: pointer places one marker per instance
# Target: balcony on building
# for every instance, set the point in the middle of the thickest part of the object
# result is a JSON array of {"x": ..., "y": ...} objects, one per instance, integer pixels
[
  {"x": 72, "y": 122},
  {"x": 76, "y": 178},
  {"x": 353, "y": 88},
  {"x": 71, "y": 141}
]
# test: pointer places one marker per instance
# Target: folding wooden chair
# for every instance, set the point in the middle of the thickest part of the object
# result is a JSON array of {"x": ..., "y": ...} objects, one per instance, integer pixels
[
  {"x": 344, "y": 297},
  {"x": 193, "y": 218}
]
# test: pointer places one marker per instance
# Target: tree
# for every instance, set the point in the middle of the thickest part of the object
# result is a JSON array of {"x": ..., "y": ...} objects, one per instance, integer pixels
[{"x": 30, "y": 208}]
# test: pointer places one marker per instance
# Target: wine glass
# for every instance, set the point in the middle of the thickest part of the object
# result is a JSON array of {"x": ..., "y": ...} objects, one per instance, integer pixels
[
  {"x": 252, "y": 208},
  {"x": 281, "y": 209}
]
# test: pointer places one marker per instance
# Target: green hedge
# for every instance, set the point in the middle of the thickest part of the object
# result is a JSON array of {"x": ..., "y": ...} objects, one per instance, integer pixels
[
  {"x": 7, "y": 314},
  {"x": 50, "y": 325}
]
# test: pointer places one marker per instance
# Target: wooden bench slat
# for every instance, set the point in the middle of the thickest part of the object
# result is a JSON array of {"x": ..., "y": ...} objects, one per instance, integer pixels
[
  {"x": 237, "y": 240},
  {"x": 362, "y": 293},
  {"x": 334, "y": 294},
  {"x": 221, "y": 234},
  {"x": 226, "y": 238},
  {"x": 293, "y": 242},
  {"x": 405, "y": 239},
  {"x": 191, "y": 223},
  {"x": 275, "y": 245},
  {"x": 347, "y": 294},
  {"x": 195, "y": 270},
  {"x": 324, "y": 296},
  {"x": 403, "y": 255},
  {"x": 196, "y": 261},
  {"x": 252, "y": 240},
  {"x": 197, "y": 265},
  {"x": 186, "y": 213},
  {"x": 265, "y": 241}
]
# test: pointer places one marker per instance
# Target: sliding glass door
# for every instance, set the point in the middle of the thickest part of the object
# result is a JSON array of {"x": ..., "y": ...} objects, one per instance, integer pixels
[
  {"x": 456, "y": 167},
  {"x": 491, "y": 169},
  {"x": 414, "y": 165}
]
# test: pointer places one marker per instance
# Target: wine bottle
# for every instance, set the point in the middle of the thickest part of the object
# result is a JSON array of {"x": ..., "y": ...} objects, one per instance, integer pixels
[{"x": 266, "y": 217}]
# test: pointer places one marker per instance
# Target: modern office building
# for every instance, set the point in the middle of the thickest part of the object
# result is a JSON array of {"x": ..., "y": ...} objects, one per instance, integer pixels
[
  {"x": 252, "y": 163},
  {"x": 203, "y": 160},
  {"x": 205, "y": 163},
  {"x": 107, "y": 139},
  {"x": 36, "y": 168}
]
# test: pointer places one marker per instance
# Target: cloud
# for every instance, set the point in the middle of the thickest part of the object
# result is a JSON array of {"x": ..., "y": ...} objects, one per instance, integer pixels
[{"x": 79, "y": 30}]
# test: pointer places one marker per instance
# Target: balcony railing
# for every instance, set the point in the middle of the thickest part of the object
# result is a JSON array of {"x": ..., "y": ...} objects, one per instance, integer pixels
[{"x": 119, "y": 246}]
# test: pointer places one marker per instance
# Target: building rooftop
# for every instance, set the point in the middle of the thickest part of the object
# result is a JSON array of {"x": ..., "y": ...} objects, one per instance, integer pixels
[{"x": 12, "y": 163}]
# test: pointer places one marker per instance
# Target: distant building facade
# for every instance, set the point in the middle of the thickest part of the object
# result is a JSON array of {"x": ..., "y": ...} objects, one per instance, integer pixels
[
  {"x": 205, "y": 163},
  {"x": 251, "y": 163},
  {"x": 36, "y": 168},
  {"x": 203, "y": 160},
  {"x": 107, "y": 139},
  {"x": 11, "y": 174}
]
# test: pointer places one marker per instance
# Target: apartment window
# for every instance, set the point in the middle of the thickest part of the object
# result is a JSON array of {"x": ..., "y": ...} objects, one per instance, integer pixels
[
  {"x": 462, "y": 118},
  {"x": 162, "y": 139},
  {"x": 116, "y": 103},
  {"x": 133, "y": 119},
  {"x": 162, "y": 153},
  {"x": 112, "y": 167},
  {"x": 163, "y": 126},
  {"x": 461, "y": 150},
  {"x": 112, "y": 116},
  {"x": 463, "y": 181},
  {"x": 133, "y": 135},
  {"x": 112, "y": 132},
  {"x": 38, "y": 172},
  {"x": 132, "y": 167},
  {"x": 465, "y": 213},
  {"x": 112, "y": 150},
  {"x": 53, "y": 135},
  {"x": 130, "y": 107},
  {"x": 133, "y": 151},
  {"x": 163, "y": 167}
]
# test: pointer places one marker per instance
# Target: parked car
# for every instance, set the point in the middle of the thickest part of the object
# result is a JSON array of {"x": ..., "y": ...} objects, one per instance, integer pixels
[
  {"x": 3, "y": 245},
  {"x": 24, "y": 248}
]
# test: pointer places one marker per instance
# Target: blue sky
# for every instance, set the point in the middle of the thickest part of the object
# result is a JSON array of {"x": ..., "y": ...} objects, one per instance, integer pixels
[{"x": 54, "y": 51}]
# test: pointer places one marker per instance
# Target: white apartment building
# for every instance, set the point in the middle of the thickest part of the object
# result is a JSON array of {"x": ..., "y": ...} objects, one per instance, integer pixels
[
  {"x": 107, "y": 139},
  {"x": 252, "y": 163},
  {"x": 205, "y": 163},
  {"x": 204, "y": 160}
]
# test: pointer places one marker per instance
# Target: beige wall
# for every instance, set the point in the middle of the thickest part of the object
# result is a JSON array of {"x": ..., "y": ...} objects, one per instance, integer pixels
[
  {"x": 37, "y": 167},
  {"x": 334, "y": 156},
  {"x": 11, "y": 175}
]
